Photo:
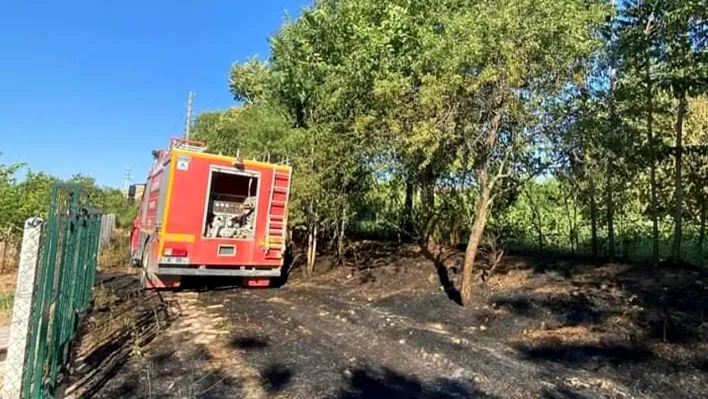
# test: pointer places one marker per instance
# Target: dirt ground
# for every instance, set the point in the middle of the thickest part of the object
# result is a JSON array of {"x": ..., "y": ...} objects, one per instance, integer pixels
[{"x": 387, "y": 325}]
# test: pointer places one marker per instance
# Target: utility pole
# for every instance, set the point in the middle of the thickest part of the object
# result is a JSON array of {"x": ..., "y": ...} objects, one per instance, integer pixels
[
  {"x": 126, "y": 181},
  {"x": 188, "y": 121}
]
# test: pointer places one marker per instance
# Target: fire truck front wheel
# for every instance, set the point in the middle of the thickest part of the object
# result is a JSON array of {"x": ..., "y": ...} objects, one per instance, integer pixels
[
  {"x": 134, "y": 261},
  {"x": 146, "y": 264},
  {"x": 142, "y": 273}
]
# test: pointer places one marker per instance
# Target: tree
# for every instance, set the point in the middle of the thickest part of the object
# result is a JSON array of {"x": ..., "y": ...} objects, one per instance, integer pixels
[
  {"x": 697, "y": 165},
  {"x": 435, "y": 118},
  {"x": 256, "y": 131},
  {"x": 683, "y": 71},
  {"x": 637, "y": 49},
  {"x": 10, "y": 196},
  {"x": 517, "y": 59}
]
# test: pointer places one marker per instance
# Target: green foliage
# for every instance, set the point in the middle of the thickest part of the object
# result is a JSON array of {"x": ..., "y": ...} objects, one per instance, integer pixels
[
  {"x": 548, "y": 217},
  {"x": 23, "y": 198},
  {"x": 254, "y": 131},
  {"x": 9, "y": 195},
  {"x": 417, "y": 110},
  {"x": 249, "y": 81}
]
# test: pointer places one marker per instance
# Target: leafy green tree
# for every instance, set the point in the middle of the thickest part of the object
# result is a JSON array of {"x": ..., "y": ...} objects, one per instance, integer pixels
[
  {"x": 637, "y": 49},
  {"x": 9, "y": 196},
  {"x": 516, "y": 57},
  {"x": 427, "y": 118}
]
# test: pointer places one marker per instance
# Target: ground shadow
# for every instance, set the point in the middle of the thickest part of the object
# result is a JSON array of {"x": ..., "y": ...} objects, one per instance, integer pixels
[
  {"x": 248, "y": 343},
  {"x": 673, "y": 302},
  {"x": 665, "y": 303},
  {"x": 629, "y": 324},
  {"x": 564, "y": 310},
  {"x": 563, "y": 393},
  {"x": 367, "y": 382},
  {"x": 196, "y": 383},
  {"x": 124, "y": 317},
  {"x": 587, "y": 356},
  {"x": 439, "y": 260},
  {"x": 276, "y": 378},
  {"x": 372, "y": 255}
]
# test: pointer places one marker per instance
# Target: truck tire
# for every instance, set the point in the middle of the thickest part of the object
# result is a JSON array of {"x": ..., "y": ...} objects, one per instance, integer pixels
[
  {"x": 133, "y": 259},
  {"x": 145, "y": 264}
]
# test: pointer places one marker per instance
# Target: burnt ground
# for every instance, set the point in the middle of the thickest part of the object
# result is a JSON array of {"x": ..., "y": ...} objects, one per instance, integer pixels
[{"x": 384, "y": 326}]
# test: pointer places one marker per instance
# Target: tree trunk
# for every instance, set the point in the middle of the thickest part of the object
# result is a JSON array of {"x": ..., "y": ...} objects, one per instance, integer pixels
[
  {"x": 652, "y": 161},
  {"x": 610, "y": 214},
  {"x": 678, "y": 180},
  {"x": 310, "y": 242},
  {"x": 575, "y": 225},
  {"x": 480, "y": 220},
  {"x": 476, "y": 232},
  {"x": 427, "y": 181},
  {"x": 539, "y": 226},
  {"x": 614, "y": 127},
  {"x": 408, "y": 226},
  {"x": 455, "y": 233},
  {"x": 536, "y": 219},
  {"x": 571, "y": 224},
  {"x": 593, "y": 219},
  {"x": 427, "y": 194},
  {"x": 4, "y": 244},
  {"x": 312, "y": 249},
  {"x": 540, "y": 237},
  {"x": 702, "y": 231},
  {"x": 340, "y": 236},
  {"x": 626, "y": 239}
]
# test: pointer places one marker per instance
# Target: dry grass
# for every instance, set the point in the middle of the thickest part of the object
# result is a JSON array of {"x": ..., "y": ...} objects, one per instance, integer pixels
[
  {"x": 7, "y": 296},
  {"x": 9, "y": 256},
  {"x": 513, "y": 280},
  {"x": 589, "y": 383},
  {"x": 115, "y": 255},
  {"x": 609, "y": 271},
  {"x": 103, "y": 297},
  {"x": 561, "y": 288},
  {"x": 582, "y": 334}
]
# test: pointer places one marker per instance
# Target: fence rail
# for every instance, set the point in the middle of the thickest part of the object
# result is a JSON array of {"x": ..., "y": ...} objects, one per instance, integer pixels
[{"x": 58, "y": 261}]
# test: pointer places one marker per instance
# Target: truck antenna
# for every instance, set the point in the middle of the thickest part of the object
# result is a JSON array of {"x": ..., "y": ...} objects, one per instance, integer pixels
[{"x": 188, "y": 119}]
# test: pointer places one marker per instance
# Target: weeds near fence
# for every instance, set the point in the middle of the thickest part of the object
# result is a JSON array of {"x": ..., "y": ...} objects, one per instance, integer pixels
[
  {"x": 9, "y": 248},
  {"x": 7, "y": 299},
  {"x": 115, "y": 255}
]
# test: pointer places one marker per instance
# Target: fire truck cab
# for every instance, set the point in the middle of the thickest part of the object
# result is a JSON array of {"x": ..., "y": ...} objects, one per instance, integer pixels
[{"x": 210, "y": 215}]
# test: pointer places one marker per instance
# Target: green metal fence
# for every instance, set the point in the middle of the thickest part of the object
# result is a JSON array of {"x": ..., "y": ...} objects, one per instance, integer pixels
[{"x": 68, "y": 257}]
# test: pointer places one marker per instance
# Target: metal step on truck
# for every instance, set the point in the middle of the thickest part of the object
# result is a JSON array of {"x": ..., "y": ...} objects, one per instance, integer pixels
[{"x": 210, "y": 215}]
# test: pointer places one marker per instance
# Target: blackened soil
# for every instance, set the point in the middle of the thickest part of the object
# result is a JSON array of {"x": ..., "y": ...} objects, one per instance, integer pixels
[{"x": 387, "y": 326}]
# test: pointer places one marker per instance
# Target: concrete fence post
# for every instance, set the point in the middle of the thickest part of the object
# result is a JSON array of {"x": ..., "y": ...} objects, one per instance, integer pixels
[{"x": 15, "y": 366}]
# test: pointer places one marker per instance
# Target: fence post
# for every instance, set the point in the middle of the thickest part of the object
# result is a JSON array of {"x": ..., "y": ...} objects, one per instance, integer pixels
[
  {"x": 108, "y": 224},
  {"x": 22, "y": 310}
]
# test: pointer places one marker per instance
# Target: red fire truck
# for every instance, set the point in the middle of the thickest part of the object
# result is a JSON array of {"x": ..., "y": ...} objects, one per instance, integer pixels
[{"x": 210, "y": 215}]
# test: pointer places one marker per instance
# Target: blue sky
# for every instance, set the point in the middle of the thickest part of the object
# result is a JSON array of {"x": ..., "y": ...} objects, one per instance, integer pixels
[{"x": 93, "y": 86}]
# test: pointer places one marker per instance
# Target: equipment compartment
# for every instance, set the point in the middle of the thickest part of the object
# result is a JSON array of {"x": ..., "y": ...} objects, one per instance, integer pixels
[{"x": 231, "y": 204}]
